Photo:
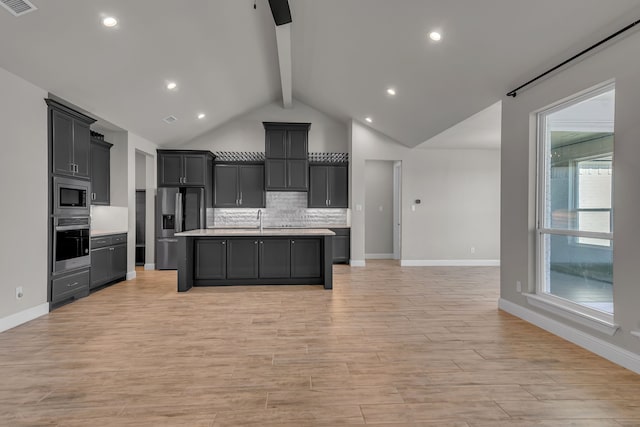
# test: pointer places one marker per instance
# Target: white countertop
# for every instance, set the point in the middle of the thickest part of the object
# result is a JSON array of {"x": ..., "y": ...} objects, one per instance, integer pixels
[
  {"x": 100, "y": 233},
  {"x": 230, "y": 232}
]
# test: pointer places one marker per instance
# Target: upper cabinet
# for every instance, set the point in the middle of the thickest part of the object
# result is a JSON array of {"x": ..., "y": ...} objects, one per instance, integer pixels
[
  {"x": 328, "y": 186},
  {"x": 100, "y": 172},
  {"x": 69, "y": 137},
  {"x": 184, "y": 168},
  {"x": 286, "y": 152},
  {"x": 239, "y": 186}
]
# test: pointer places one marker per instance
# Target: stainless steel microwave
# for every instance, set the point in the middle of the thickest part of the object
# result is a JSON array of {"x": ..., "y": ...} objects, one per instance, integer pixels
[{"x": 71, "y": 197}]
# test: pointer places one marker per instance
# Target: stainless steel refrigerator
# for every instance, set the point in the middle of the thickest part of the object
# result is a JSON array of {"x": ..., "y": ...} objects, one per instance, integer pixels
[{"x": 177, "y": 209}]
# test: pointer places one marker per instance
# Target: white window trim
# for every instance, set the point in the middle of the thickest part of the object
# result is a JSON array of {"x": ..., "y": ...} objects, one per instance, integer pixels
[
  {"x": 585, "y": 316},
  {"x": 594, "y": 319}
]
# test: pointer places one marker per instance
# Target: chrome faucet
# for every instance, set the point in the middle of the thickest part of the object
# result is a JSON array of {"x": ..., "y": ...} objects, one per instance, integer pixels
[{"x": 259, "y": 218}]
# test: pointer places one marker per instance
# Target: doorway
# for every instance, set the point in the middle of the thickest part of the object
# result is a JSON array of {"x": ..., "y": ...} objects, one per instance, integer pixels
[{"x": 382, "y": 209}]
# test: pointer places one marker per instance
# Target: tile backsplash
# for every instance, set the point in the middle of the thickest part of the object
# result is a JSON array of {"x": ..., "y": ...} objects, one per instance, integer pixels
[{"x": 283, "y": 209}]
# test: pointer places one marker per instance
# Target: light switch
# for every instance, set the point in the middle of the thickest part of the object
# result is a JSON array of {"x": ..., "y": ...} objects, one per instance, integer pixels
[
  {"x": 413, "y": 208},
  {"x": 358, "y": 207}
]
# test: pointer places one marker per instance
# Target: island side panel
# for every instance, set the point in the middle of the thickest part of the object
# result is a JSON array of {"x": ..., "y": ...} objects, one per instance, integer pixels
[
  {"x": 185, "y": 263},
  {"x": 327, "y": 262}
]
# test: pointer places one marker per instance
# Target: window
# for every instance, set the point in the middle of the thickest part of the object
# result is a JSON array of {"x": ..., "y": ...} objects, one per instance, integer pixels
[{"x": 575, "y": 194}]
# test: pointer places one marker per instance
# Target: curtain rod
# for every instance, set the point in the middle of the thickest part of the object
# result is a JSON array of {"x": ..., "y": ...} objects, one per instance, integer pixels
[{"x": 514, "y": 92}]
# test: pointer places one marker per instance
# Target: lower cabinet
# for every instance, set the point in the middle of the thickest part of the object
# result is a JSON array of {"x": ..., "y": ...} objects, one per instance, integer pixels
[
  {"x": 71, "y": 285},
  {"x": 257, "y": 258},
  {"x": 341, "y": 245},
  {"x": 108, "y": 259}
]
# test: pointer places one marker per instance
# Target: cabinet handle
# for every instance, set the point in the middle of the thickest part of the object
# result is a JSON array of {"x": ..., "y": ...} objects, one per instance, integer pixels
[
  {"x": 70, "y": 285},
  {"x": 255, "y": 243},
  {"x": 224, "y": 242},
  {"x": 184, "y": 179},
  {"x": 326, "y": 202},
  {"x": 241, "y": 198},
  {"x": 71, "y": 167},
  {"x": 293, "y": 242},
  {"x": 112, "y": 249}
]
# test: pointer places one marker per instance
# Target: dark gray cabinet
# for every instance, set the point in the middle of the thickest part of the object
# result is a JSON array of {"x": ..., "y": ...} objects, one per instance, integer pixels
[
  {"x": 305, "y": 258},
  {"x": 184, "y": 168},
  {"x": 275, "y": 258},
  {"x": 341, "y": 245},
  {"x": 257, "y": 258},
  {"x": 69, "y": 139},
  {"x": 239, "y": 185},
  {"x": 108, "y": 259},
  {"x": 100, "y": 172},
  {"x": 74, "y": 285},
  {"x": 328, "y": 186},
  {"x": 242, "y": 258},
  {"x": 210, "y": 259},
  {"x": 286, "y": 151}
]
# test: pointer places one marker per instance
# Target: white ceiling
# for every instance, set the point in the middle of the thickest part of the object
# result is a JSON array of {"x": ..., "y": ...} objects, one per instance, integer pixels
[{"x": 345, "y": 54}]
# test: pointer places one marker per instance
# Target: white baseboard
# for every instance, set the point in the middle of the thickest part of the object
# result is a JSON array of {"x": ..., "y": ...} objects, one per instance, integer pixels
[
  {"x": 149, "y": 266},
  {"x": 357, "y": 263},
  {"x": 450, "y": 263},
  {"x": 595, "y": 345},
  {"x": 131, "y": 275},
  {"x": 24, "y": 316},
  {"x": 378, "y": 256}
]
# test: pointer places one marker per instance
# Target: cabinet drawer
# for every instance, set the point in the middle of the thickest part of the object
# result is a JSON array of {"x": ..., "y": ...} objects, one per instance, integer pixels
[
  {"x": 65, "y": 287},
  {"x": 118, "y": 239},
  {"x": 100, "y": 242}
]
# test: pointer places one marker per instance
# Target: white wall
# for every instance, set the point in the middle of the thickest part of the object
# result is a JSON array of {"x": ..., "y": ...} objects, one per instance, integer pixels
[
  {"x": 378, "y": 209},
  {"x": 620, "y": 62},
  {"x": 141, "y": 171},
  {"x": 460, "y": 193},
  {"x": 24, "y": 189},
  {"x": 246, "y": 133}
]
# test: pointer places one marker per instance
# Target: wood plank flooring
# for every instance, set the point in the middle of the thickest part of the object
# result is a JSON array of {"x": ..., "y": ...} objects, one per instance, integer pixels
[{"x": 389, "y": 345}]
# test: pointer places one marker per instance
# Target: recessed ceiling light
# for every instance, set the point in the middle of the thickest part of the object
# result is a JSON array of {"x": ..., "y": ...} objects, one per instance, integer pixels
[
  {"x": 109, "y": 21},
  {"x": 202, "y": 116},
  {"x": 435, "y": 36},
  {"x": 391, "y": 91},
  {"x": 369, "y": 119},
  {"x": 171, "y": 85}
]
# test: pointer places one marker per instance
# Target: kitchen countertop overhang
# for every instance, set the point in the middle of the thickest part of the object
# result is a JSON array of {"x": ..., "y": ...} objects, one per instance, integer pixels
[{"x": 230, "y": 232}]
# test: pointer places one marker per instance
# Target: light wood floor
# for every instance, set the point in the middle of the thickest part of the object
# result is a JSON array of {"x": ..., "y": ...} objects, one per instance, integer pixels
[{"x": 402, "y": 346}]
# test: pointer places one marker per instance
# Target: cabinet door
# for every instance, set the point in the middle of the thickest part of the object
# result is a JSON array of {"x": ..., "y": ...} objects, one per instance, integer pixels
[
  {"x": 276, "y": 144},
  {"x": 195, "y": 168},
  {"x": 210, "y": 259},
  {"x": 340, "y": 249},
  {"x": 242, "y": 259},
  {"x": 318, "y": 196},
  {"x": 297, "y": 146},
  {"x": 251, "y": 186},
  {"x": 81, "y": 148},
  {"x": 169, "y": 170},
  {"x": 62, "y": 136},
  {"x": 118, "y": 261},
  {"x": 276, "y": 174},
  {"x": 306, "y": 258},
  {"x": 226, "y": 186},
  {"x": 338, "y": 180},
  {"x": 275, "y": 258},
  {"x": 298, "y": 175},
  {"x": 100, "y": 266},
  {"x": 100, "y": 173}
]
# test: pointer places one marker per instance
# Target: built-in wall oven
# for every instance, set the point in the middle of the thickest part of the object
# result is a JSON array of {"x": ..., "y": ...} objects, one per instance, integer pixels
[
  {"x": 71, "y": 237},
  {"x": 70, "y": 196}
]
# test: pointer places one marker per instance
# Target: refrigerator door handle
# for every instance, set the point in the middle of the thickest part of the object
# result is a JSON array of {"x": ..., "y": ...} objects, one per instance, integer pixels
[{"x": 178, "y": 212}]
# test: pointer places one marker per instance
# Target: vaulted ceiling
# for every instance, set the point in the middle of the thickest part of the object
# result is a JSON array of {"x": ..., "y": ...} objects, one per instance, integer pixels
[{"x": 345, "y": 54}]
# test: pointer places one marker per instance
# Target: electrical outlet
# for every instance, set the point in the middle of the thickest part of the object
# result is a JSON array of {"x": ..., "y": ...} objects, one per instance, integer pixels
[
  {"x": 19, "y": 292},
  {"x": 473, "y": 250},
  {"x": 519, "y": 286}
]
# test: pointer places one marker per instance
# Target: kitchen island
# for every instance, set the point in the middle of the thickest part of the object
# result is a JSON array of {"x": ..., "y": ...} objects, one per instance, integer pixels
[{"x": 250, "y": 256}]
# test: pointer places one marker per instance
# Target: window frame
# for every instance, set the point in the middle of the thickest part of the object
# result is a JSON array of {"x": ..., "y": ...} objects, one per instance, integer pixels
[{"x": 542, "y": 298}]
